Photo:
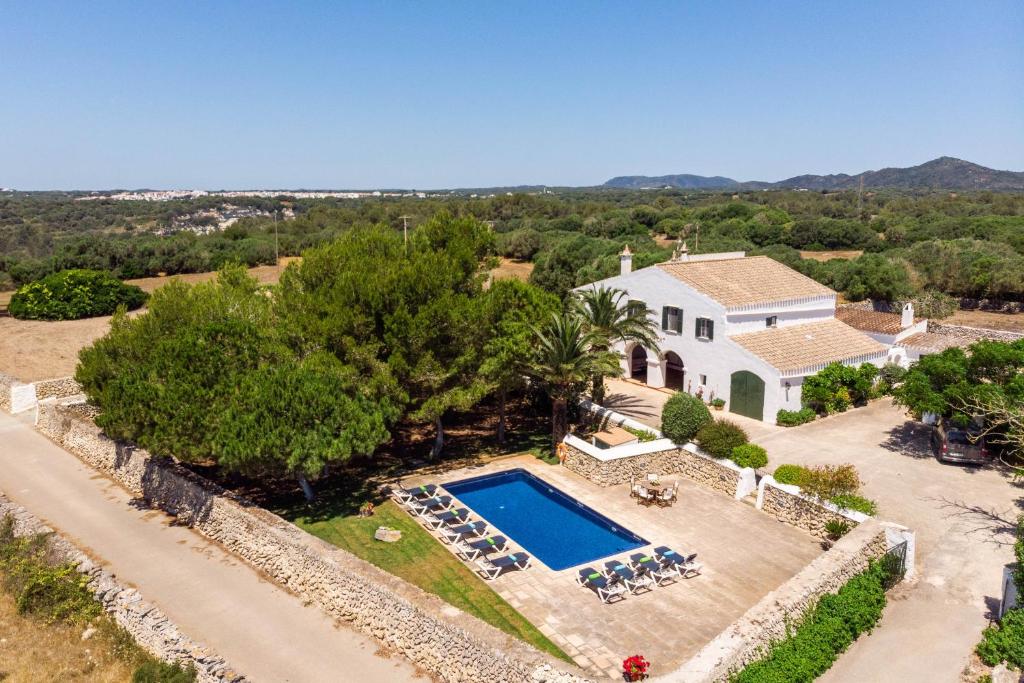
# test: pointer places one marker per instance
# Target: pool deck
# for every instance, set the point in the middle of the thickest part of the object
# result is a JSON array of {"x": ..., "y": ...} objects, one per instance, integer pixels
[{"x": 745, "y": 554}]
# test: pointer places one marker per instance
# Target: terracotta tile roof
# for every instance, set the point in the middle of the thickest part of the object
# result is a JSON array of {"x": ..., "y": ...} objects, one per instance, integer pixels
[
  {"x": 806, "y": 348},
  {"x": 871, "y": 321},
  {"x": 745, "y": 281},
  {"x": 930, "y": 341}
]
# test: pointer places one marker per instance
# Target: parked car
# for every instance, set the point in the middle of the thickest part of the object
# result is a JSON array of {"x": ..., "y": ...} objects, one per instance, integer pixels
[{"x": 958, "y": 445}]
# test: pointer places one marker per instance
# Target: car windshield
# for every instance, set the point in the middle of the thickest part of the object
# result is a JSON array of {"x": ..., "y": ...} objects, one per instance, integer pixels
[{"x": 959, "y": 437}]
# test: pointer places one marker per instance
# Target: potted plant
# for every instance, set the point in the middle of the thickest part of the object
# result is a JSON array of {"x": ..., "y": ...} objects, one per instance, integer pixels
[
  {"x": 635, "y": 668},
  {"x": 718, "y": 403}
]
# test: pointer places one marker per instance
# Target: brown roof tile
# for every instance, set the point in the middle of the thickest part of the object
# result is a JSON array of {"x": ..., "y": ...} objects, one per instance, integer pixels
[
  {"x": 806, "y": 348},
  {"x": 871, "y": 321},
  {"x": 745, "y": 281},
  {"x": 930, "y": 341}
]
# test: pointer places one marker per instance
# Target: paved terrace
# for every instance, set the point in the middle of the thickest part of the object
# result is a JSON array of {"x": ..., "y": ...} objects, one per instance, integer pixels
[{"x": 745, "y": 554}]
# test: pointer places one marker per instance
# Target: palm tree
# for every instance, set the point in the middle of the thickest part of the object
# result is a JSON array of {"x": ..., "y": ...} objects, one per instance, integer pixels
[
  {"x": 563, "y": 361},
  {"x": 608, "y": 321}
]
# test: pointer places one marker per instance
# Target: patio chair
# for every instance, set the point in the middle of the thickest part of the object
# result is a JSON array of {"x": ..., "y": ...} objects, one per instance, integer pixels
[
  {"x": 645, "y": 564},
  {"x": 471, "y": 550},
  {"x": 454, "y": 534},
  {"x": 490, "y": 569},
  {"x": 634, "y": 582},
  {"x": 644, "y": 496},
  {"x": 452, "y": 517},
  {"x": 634, "y": 488},
  {"x": 684, "y": 565},
  {"x": 403, "y": 495},
  {"x": 436, "y": 502},
  {"x": 605, "y": 590},
  {"x": 668, "y": 496}
]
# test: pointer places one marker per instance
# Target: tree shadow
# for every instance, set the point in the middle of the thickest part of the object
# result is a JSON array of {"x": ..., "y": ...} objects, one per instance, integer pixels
[
  {"x": 910, "y": 439},
  {"x": 999, "y": 527},
  {"x": 629, "y": 405}
]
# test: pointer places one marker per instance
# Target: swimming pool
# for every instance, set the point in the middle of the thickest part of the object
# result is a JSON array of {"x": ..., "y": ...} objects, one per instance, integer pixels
[{"x": 557, "y": 529}]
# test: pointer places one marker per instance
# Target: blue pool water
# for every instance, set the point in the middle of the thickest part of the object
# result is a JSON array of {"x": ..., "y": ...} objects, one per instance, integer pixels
[{"x": 555, "y": 528}]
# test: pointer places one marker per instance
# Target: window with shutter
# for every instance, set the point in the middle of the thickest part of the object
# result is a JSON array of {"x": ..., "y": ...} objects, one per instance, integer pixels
[
  {"x": 705, "y": 329},
  {"x": 672, "y": 319}
]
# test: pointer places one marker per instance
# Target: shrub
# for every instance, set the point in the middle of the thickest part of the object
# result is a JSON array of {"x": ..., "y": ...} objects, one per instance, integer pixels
[
  {"x": 54, "y": 593},
  {"x": 717, "y": 403},
  {"x": 889, "y": 376},
  {"x": 1004, "y": 641},
  {"x": 792, "y": 418},
  {"x": 74, "y": 294},
  {"x": 837, "y": 387},
  {"x": 836, "y": 528},
  {"x": 718, "y": 438},
  {"x": 642, "y": 434},
  {"x": 790, "y": 474},
  {"x": 683, "y": 416},
  {"x": 826, "y": 630},
  {"x": 852, "y": 501},
  {"x": 155, "y": 671},
  {"x": 750, "y": 455},
  {"x": 829, "y": 481}
]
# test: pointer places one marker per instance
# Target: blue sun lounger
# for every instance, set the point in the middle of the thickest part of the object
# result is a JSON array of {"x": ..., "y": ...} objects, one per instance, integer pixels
[
  {"x": 492, "y": 568},
  {"x": 605, "y": 590},
  {"x": 634, "y": 582},
  {"x": 484, "y": 546}
]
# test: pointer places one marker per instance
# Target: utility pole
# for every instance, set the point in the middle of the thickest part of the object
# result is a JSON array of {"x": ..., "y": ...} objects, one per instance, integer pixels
[{"x": 405, "y": 229}]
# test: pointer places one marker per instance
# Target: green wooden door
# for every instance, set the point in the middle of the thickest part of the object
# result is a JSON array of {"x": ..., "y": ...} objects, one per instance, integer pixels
[{"x": 746, "y": 395}]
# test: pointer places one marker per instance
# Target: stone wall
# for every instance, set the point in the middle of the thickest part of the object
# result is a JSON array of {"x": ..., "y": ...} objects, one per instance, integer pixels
[
  {"x": 439, "y": 638},
  {"x": 61, "y": 387},
  {"x": 787, "y": 505},
  {"x": 704, "y": 470},
  {"x": 766, "y": 622},
  {"x": 973, "y": 334},
  {"x": 6, "y": 382},
  {"x": 150, "y": 628}
]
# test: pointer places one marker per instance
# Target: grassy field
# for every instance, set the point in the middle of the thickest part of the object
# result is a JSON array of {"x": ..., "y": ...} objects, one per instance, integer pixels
[{"x": 420, "y": 559}]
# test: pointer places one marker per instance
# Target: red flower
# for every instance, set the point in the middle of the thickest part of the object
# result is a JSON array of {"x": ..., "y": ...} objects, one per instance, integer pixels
[{"x": 635, "y": 665}]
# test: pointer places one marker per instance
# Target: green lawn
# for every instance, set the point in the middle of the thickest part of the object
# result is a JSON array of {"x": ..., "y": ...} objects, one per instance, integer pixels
[{"x": 420, "y": 559}]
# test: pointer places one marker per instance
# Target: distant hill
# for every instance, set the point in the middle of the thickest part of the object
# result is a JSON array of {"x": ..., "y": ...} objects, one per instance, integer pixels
[
  {"x": 684, "y": 181},
  {"x": 944, "y": 173}
]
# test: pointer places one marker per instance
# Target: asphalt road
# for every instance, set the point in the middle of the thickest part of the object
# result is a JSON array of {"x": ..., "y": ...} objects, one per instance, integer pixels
[{"x": 220, "y": 602}]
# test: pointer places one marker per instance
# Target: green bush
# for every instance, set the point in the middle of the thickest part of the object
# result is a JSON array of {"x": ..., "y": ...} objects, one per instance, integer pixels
[
  {"x": 1004, "y": 641},
  {"x": 790, "y": 474},
  {"x": 852, "y": 501},
  {"x": 825, "y": 632},
  {"x": 792, "y": 418},
  {"x": 837, "y": 387},
  {"x": 74, "y": 294},
  {"x": 683, "y": 416},
  {"x": 642, "y": 434},
  {"x": 750, "y": 455},
  {"x": 155, "y": 671},
  {"x": 718, "y": 438},
  {"x": 54, "y": 593},
  {"x": 829, "y": 481}
]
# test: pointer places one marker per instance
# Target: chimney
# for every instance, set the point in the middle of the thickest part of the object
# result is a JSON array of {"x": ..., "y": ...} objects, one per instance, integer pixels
[
  {"x": 625, "y": 261},
  {"x": 907, "y": 318}
]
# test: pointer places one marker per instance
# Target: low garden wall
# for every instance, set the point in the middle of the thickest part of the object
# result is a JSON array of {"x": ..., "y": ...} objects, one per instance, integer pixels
[
  {"x": 973, "y": 334},
  {"x": 6, "y": 382},
  {"x": 608, "y": 467},
  {"x": 61, "y": 387},
  {"x": 745, "y": 640},
  {"x": 787, "y": 504},
  {"x": 150, "y": 628},
  {"x": 17, "y": 397},
  {"x": 439, "y": 638}
]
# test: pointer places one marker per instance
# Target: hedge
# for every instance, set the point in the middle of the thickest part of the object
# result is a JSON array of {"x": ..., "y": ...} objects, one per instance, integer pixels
[
  {"x": 852, "y": 501},
  {"x": 718, "y": 438},
  {"x": 683, "y": 416},
  {"x": 790, "y": 474},
  {"x": 1005, "y": 640},
  {"x": 792, "y": 418},
  {"x": 809, "y": 479},
  {"x": 74, "y": 294},
  {"x": 824, "y": 633},
  {"x": 750, "y": 455}
]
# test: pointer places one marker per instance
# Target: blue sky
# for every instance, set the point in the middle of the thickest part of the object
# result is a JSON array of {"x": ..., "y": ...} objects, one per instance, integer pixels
[{"x": 437, "y": 94}]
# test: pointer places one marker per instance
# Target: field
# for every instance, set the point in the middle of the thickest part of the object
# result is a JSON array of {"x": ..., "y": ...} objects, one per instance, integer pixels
[
  {"x": 509, "y": 268},
  {"x": 32, "y": 350},
  {"x": 829, "y": 255},
  {"x": 990, "y": 320}
]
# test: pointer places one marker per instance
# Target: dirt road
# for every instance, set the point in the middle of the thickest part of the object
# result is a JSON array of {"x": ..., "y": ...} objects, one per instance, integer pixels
[{"x": 217, "y": 600}]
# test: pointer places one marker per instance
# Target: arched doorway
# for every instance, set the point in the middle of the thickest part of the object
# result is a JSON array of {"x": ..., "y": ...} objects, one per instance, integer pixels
[
  {"x": 746, "y": 395},
  {"x": 638, "y": 363},
  {"x": 675, "y": 372}
]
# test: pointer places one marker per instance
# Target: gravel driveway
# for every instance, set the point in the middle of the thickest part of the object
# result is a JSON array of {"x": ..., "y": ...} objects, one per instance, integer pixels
[{"x": 964, "y": 519}]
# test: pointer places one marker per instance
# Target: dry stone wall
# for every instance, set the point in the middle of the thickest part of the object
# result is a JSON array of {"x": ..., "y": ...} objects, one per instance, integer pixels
[
  {"x": 150, "y": 628},
  {"x": 61, "y": 387},
  {"x": 6, "y": 382},
  {"x": 766, "y": 622},
  {"x": 702, "y": 469},
  {"x": 787, "y": 505},
  {"x": 441, "y": 639},
  {"x": 973, "y": 334}
]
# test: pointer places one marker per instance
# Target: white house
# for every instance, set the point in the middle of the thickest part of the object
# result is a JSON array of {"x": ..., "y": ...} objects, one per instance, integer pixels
[{"x": 746, "y": 329}]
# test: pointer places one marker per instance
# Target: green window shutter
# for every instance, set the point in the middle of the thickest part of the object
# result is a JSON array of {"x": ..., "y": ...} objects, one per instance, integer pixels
[
  {"x": 711, "y": 329},
  {"x": 679, "y": 321},
  {"x": 696, "y": 327},
  {"x": 664, "y": 317}
]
